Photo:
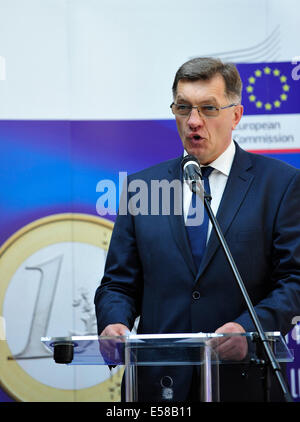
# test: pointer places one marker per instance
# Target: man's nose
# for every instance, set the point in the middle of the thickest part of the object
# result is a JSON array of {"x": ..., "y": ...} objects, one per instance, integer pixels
[{"x": 195, "y": 119}]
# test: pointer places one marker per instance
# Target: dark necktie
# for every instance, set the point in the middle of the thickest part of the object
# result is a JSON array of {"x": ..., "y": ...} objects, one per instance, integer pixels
[{"x": 198, "y": 234}]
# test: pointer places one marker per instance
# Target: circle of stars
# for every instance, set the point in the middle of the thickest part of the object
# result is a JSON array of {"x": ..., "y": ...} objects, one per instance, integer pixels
[{"x": 258, "y": 74}]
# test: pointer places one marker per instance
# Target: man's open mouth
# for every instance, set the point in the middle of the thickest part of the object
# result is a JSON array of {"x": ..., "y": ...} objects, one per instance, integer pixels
[{"x": 195, "y": 137}]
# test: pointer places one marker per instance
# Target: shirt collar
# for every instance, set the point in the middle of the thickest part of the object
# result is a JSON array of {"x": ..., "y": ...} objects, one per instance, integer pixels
[{"x": 224, "y": 162}]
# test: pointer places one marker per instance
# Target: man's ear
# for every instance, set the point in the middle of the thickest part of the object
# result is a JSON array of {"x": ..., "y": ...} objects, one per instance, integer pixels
[{"x": 238, "y": 113}]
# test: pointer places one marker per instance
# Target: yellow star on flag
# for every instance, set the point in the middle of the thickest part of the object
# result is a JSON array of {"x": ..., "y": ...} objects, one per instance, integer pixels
[
  {"x": 251, "y": 80},
  {"x": 283, "y": 97},
  {"x": 277, "y": 103},
  {"x": 258, "y": 104},
  {"x": 267, "y": 70},
  {"x": 258, "y": 72},
  {"x": 283, "y": 78},
  {"x": 252, "y": 98},
  {"x": 286, "y": 87},
  {"x": 268, "y": 106},
  {"x": 249, "y": 88},
  {"x": 276, "y": 72}
]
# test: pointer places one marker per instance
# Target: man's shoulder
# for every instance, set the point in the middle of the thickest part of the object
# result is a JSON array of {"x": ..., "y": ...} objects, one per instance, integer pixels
[{"x": 270, "y": 164}]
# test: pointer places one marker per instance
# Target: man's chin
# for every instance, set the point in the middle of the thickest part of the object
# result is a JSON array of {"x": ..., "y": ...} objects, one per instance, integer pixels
[{"x": 198, "y": 153}]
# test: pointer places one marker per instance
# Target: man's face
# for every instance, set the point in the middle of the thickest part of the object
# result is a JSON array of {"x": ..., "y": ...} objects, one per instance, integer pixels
[{"x": 206, "y": 137}]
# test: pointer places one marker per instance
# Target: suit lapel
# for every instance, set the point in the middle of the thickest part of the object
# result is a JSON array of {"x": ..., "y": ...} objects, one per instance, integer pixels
[
  {"x": 237, "y": 186},
  {"x": 177, "y": 221}
]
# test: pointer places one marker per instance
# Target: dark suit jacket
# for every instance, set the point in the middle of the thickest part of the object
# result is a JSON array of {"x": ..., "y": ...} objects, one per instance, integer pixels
[{"x": 150, "y": 270}]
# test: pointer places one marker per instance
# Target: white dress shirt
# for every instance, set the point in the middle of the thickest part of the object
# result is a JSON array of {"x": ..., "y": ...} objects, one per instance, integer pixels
[{"x": 217, "y": 182}]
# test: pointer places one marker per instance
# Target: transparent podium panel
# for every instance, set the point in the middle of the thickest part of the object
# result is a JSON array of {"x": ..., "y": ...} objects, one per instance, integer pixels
[{"x": 198, "y": 349}]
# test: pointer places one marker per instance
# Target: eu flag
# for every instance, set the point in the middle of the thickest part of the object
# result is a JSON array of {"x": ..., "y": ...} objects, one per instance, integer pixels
[{"x": 269, "y": 88}]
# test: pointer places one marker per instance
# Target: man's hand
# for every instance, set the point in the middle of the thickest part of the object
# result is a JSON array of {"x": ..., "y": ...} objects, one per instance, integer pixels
[
  {"x": 115, "y": 330},
  {"x": 231, "y": 348},
  {"x": 109, "y": 349}
]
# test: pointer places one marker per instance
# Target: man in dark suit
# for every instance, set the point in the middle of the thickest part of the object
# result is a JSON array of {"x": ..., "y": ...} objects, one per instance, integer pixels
[{"x": 156, "y": 270}]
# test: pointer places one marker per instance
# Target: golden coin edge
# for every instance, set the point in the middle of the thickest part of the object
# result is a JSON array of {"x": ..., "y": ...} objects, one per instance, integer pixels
[{"x": 84, "y": 228}]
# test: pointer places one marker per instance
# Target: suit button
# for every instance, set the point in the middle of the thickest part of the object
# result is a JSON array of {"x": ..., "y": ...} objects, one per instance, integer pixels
[{"x": 196, "y": 295}]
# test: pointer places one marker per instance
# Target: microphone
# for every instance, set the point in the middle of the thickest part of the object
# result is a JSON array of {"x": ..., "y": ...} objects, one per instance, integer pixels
[
  {"x": 191, "y": 168},
  {"x": 192, "y": 172}
]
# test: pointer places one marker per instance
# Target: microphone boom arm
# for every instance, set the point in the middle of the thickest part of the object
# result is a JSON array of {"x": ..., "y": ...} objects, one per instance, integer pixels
[{"x": 260, "y": 332}]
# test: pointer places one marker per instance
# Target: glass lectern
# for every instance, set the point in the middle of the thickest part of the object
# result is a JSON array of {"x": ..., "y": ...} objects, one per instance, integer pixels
[{"x": 135, "y": 350}]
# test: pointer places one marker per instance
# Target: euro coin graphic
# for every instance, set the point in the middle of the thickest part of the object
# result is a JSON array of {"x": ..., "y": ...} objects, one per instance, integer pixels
[{"x": 50, "y": 270}]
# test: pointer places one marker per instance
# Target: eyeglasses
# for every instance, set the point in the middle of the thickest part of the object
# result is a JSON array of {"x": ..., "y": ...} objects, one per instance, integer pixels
[{"x": 203, "y": 110}]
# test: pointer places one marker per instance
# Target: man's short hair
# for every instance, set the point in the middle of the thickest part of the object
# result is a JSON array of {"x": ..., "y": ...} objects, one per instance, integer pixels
[{"x": 205, "y": 68}]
